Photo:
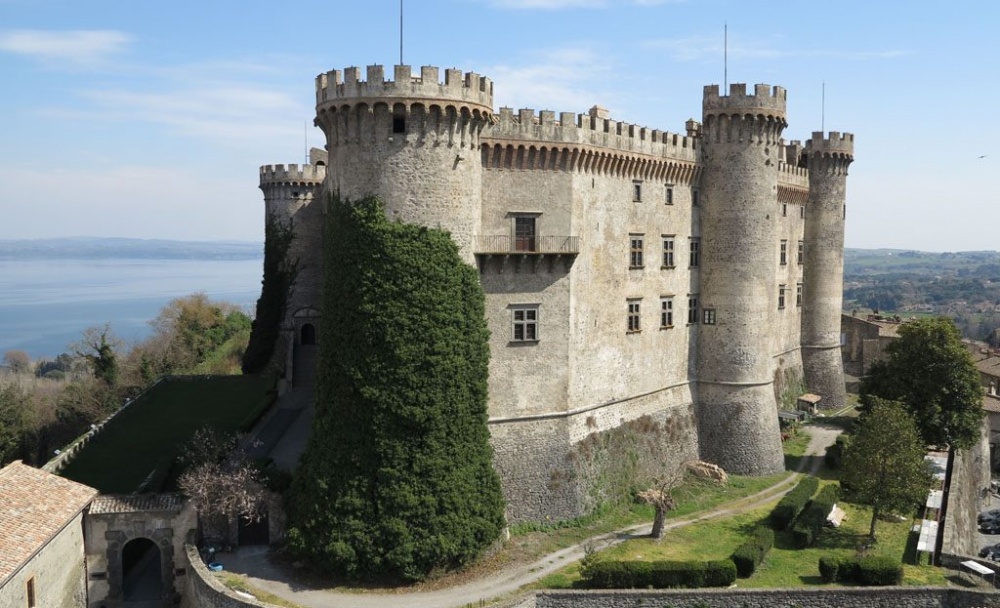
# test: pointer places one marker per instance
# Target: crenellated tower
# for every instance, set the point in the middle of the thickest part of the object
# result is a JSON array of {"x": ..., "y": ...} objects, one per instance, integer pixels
[
  {"x": 412, "y": 141},
  {"x": 737, "y": 411},
  {"x": 828, "y": 159}
]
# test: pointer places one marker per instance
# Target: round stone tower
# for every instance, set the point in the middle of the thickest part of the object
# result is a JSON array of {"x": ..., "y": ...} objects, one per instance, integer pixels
[
  {"x": 823, "y": 281},
  {"x": 412, "y": 141},
  {"x": 291, "y": 195},
  {"x": 738, "y": 291}
]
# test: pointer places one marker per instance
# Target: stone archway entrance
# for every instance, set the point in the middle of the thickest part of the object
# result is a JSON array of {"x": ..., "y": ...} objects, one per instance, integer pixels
[
  {"x": 142, "y": 571},
  {"x": 307, "y": 336}
]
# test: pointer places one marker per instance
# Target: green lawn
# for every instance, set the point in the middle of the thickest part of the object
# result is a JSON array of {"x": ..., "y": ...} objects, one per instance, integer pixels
[{"x": 142, "y": 440}]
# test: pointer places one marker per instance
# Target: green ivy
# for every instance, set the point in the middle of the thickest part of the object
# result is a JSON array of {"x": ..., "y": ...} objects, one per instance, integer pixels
[
  {"x": 397, "y": 479},
  {"x": 280, "y": 273}
]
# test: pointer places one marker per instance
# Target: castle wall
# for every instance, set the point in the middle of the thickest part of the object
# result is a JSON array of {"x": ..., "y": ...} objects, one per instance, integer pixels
[{"x": 57, "y": 570}]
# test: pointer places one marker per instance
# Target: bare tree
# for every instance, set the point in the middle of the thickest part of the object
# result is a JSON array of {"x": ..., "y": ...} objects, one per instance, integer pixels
[
  {"x": 18, "y": 361},
  {"x": 660, "y": 496},
  {"x": 223, "y": 492}
]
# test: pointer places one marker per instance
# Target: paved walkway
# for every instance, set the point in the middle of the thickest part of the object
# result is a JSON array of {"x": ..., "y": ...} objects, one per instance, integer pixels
[{"x": 253, "y": 562}]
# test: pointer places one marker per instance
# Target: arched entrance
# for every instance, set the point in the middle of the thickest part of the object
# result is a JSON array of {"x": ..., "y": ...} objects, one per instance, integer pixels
[
  {"x": 142, "y": 571},
  {"x": 308, "y": 335}
]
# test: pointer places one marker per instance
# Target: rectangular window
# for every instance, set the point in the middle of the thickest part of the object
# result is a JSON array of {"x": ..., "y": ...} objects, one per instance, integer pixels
[
  {"x": 525, "y": 323},
  {"x": 695, "y": 199},
  {"x": 802, "y": 211},
  {"x": 801, "y": 255},
  {"x": 781, "y": 297},
  {"x": 668, "y": 194},
  {"x": 692, "y": 309},
  {"x": 798, "y": 294},
  {"x": 783, "y": 253},
  {"x": 666, "y": 312},
  {"x": 637, "y": 191},
  {"x": 634, "y": 324},
  {"x": 668, "y": 251},
  {"x": 695, "y": 252},
  {"x": 524, "y": 233},
  {"x": 708, "y": 316},
  {"x": 635, "y": 251},
  {"x": 30, "y": 592},
  {"x": 784, "y": 209}
]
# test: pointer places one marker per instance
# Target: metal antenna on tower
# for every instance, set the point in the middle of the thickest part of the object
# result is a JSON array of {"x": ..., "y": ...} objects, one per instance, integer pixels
[
  {"x": 305, "y": 141},
  {"x": 725, "y": 56},
  {"x": 822, "y": 111},
  {"x": 400, "y": 32}
]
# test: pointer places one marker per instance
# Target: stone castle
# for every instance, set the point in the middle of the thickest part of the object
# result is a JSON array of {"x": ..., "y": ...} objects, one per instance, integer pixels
[{"x": 627, "y": 271}]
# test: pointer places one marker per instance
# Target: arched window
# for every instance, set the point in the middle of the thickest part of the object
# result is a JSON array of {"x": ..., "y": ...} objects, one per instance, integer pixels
[{"x": 307, "y": 336}]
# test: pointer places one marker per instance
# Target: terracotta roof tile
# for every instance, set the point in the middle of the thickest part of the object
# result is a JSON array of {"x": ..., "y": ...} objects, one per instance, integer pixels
[
  {"x": 135, "y": 503},
  {"x": 34, "y": 506}
]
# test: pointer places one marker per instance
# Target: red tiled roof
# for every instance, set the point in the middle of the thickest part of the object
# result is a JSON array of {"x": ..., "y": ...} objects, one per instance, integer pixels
[
  {"x": 34, "y": 507},
  {"x": 135, "y": 503},
  {"x": 991, "y": 403}
]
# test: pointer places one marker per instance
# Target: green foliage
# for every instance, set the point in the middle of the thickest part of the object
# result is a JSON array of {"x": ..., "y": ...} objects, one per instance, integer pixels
[
  {"x": 750, "y": 554},
  {"x": 397, "y": 479},
  {"x": 15, "y": 407},
  {"x": 789, "y": 385},
  {"x": 932, "y": 373},
  {"x": 834, "y": 456},
  {"x": 659, "y": 574},
  {"x": 867, "y": 570},
  {"x": 98, "y": 347},
  {"x": 791, "y": 504},
  {"x": 280, "y": 272},
  {"x": 884, "y": 465},
  {"x": 810, "y": 523}
]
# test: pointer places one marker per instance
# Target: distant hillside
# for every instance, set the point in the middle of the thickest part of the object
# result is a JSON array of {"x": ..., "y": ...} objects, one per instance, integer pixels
[
  {"x": 124, "y": 248},
  {"x": 869, "y": 262}
]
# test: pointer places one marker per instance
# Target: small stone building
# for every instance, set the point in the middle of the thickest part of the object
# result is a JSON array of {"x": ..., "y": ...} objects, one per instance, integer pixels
[
  {"x": 863, "y": 341},
  {"x": 41, "y": 539}
]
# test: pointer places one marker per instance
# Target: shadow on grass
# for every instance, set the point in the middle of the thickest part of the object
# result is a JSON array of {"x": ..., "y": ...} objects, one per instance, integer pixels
[
  {"x": 960, "y": 580},
  {"x": 910, "y": 555},
  {"x": 811, "y": 580},
  {"x": 792, "y": 462}
]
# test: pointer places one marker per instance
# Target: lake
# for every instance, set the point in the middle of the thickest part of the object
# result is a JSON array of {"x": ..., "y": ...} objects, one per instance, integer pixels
[{"x": 46, "y": 304}]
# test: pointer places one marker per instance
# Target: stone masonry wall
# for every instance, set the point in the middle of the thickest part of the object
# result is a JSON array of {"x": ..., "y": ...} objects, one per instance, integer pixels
[
  {"x": 202, "y": 590},
  {"x": 57, "y": 570},
  {"x": 970, "y": 476},
  {"x": 832, "y": 597}
]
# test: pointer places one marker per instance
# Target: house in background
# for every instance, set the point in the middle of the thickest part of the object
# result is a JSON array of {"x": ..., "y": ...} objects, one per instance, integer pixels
[
  {"x": 863, "y": 341},
  {"x": 41, "y": 539}
]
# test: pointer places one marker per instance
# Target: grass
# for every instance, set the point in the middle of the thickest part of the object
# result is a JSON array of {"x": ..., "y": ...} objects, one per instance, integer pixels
[
  {"x": 238, "y": 583},
  {"x": 137, "y": 448},
  {"x": 795, "y": 448}
]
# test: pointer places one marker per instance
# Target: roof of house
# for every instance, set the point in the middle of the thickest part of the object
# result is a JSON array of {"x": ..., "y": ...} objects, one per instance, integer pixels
[
  {"x": 989, "y": 366},
  {"x": 135, "y": 503},
  {"x": 991, "y": 403},
  {"x": 34, "y": 507},
  {"x": 810, "y": 398}
]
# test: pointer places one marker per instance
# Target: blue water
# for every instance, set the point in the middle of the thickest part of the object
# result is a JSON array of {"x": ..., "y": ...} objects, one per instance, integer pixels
[{"x": 46, "y": 304}]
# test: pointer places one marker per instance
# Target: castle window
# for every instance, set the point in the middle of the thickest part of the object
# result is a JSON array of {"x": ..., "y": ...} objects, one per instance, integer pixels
[
  {"x": 666, "y": 312},
  {"x": 635, "y": 251},
  {"x": 802, "y": 211},
  {"x": 634, "y": 324},
  {"x": 524, "y": 233},
  {"x": 399, "y": 119},
  {"x": 784, "y": 209},
  {"x": 29, "y": 591},
  {"x": 781, "y": 297},
  {"x": 708, "y": 316},
  {"x": 637, "y": 191},
  {"x": 695, "y": 252},
  {"x": 524, "y": 323},
  {"x": 668, "y": 251},
  {"x": 798, "y": 294},
  {"x": 695, "y": 199},
  {"x": 801, "y": 255},
  {"x": 783, "y": 253},
  {"x": 668, "y": 194},
  {"x": 692, "y": 309}
]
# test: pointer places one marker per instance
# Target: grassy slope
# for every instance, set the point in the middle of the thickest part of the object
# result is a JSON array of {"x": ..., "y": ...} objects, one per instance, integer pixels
[{"x": 144, "y": 438}]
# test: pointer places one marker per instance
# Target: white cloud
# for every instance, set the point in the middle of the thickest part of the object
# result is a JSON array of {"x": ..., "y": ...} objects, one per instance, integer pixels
[
  {"x": 701, "y": 48},
  {"x": 79, "y": 47}
]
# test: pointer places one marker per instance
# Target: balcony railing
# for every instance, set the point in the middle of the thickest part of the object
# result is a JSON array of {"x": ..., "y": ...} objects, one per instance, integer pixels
[{"x": 505, "y": 244}]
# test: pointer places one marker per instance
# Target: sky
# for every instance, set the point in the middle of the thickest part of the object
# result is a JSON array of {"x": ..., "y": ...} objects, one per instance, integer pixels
[{"x": 145, "y": 119}]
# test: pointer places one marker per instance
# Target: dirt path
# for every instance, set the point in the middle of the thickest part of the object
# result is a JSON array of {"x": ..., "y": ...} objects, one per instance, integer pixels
[{"x": 253, "y": 562}]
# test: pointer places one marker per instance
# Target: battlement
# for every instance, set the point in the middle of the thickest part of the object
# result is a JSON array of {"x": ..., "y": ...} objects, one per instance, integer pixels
[
  {"x": 292, "y": 174},
  {"x": 593, "y": 129},
  {"x": 347, "y": 85},
  {"x": 834, "y": 143},
  {"x": 764, "y": 98}
]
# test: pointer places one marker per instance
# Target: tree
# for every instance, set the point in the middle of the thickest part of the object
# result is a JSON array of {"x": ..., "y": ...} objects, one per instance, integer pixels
[
  {"x": 884, "y": 464},
  {"x": 18, "y": 361},
  {"x": 14, "y": 421},
  {"x": 932, "y": 373},
  {"x": 397, "y": 479},
  {"x": 98, "y": 346}
]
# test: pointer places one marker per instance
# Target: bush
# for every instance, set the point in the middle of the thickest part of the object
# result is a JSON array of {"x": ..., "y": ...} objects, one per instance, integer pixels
[
  {"x": 811, "y": 522},
  {"x": 871, "y": 571},
  {"x": 750, "y": 554},
  {"x": 793, "y": 503},
  {"x": 659, "y": 575}
]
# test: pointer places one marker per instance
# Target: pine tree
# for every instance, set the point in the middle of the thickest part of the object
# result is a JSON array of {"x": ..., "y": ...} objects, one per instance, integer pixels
[{"x": 397, "y": 479}]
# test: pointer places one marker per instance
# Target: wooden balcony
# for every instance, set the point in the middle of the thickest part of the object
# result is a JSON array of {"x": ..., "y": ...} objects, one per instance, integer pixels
[{"x": 519, "y": 253}]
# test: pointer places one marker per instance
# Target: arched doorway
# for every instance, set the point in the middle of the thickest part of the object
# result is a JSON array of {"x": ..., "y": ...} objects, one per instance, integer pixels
[
  {"x": 308, "y": 335},
  {"x": 142, "y": 571}
]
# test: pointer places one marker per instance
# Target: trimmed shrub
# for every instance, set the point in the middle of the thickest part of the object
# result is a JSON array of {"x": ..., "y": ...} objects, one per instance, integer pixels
[
  {"x": 659, "y": 575},
  {"x": 750, "y": 554},
  {"x": 870, "y": 571},
  {"x": 808, "y": 526},
  {"x": 789, "y": 507},
  {"x": 834, "y": 456}
]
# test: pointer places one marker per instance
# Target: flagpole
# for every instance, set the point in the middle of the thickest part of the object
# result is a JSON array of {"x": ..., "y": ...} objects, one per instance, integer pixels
[{"x": 400, "y": 32}]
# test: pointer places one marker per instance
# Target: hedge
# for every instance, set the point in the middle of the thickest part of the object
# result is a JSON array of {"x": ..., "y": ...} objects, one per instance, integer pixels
[
  {"x": 750, "y": 554},
  {"x": 871, "y": 570},
  {"x": 789, "y": 507},
  {"x": 808, "y": 526},
  {"x": 660, "y": 574}
]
